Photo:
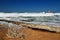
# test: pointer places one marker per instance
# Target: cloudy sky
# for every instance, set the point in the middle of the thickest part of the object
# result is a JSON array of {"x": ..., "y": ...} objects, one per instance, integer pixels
[{"x": 29, "y": 5}]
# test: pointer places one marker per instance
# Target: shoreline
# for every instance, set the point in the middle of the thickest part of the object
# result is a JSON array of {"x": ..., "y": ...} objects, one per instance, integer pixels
[{"x": 37, "y": 26}]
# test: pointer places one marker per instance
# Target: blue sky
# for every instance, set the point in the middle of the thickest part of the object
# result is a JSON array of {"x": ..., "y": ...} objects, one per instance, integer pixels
[{"x": 29, "y": 5}]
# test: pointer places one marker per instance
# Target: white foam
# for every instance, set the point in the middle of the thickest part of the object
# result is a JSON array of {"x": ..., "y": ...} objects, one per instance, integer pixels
[{"x": 2, "y": 14}]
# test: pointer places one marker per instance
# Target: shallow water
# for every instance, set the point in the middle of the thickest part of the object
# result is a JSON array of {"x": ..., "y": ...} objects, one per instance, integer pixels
[{"x": 44, "y": 20}]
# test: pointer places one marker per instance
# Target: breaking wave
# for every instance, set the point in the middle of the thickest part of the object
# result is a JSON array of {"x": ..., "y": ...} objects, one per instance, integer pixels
[
  {"x": 52, "y": 19},
  {"x": 2, "y": 14}
]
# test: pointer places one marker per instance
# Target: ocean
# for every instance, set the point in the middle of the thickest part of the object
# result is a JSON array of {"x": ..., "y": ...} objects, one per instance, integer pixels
[{"x": 51, "y": 19}]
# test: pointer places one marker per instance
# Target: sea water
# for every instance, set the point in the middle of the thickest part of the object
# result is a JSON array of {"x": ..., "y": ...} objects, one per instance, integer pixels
[{"x": 51, "y": 19}]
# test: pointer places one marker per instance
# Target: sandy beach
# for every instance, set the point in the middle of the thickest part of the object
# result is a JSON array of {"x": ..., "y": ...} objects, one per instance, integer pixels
[{"x": 31, "y": 34}]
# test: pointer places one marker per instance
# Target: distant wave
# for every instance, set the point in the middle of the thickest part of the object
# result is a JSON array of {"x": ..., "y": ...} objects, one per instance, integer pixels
[{"x": 2, "y": 14}]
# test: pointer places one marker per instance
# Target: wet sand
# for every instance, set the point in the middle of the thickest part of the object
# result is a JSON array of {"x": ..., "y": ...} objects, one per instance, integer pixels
[{"x": 32, "y": 34}]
